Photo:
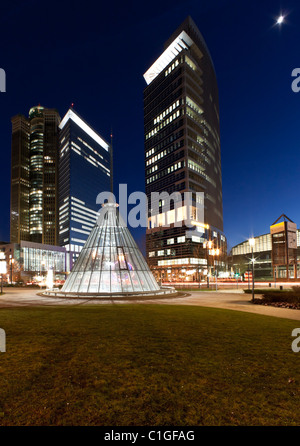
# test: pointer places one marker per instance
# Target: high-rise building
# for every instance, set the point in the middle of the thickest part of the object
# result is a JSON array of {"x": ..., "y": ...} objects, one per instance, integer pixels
[
  {"x": 34, "y": 173},
  {"x": 20, "y": 180},
  {"x": 182, "y": 154},
  {"x": 85, "y": 170}
]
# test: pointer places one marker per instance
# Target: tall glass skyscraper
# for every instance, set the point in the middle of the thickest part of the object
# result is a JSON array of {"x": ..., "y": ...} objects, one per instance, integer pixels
[
  {"x": 34, "y": 172},
  {"x": 85, "y": 170},
  {"x": 182, "y": 152},
  {"x": 20, "y": 180}
]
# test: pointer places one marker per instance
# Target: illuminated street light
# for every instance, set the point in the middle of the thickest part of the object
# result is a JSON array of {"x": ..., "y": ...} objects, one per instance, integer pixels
[
  {"x": 252, "y": 243},
  {"x": 2, "y": 268},
  {"x": 213, "y": 252},
  {"x": 12, "y": 261},
  {"x": 216, "y": 252}
]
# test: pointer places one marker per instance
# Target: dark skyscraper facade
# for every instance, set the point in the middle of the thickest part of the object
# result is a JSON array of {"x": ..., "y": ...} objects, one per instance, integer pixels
[
  {"x": 20, "y": 180},
  {"x": 182, "y": 153},
  {"x": 85, "y": 170},
  {"x": 34, "y": 173}
]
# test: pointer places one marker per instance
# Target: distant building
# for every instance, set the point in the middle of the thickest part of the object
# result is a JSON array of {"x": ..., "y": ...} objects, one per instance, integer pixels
[
  {"x": 183, "y": 154},
  {"x": 27, "y": 261},
  {"x": 34, "y": 173},
  {"x": 276, "y": 254},
  {"x": 85, "y": 170},
  {"x": 241, "y": 255}
]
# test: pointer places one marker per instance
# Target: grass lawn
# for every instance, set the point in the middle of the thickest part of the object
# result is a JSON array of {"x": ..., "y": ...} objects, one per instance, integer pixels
[{"x": 147, "y": 365}]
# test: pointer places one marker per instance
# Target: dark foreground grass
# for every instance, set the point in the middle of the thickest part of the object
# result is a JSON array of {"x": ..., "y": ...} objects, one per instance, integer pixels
[{"x": 147, "y": 365}]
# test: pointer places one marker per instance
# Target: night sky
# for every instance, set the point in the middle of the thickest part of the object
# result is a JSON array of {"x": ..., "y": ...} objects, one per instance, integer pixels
[{"x": 94, "y": 54}]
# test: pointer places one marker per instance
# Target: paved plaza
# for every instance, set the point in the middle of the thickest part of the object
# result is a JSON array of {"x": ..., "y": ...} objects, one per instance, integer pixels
[{"x": 226, "y": 299}]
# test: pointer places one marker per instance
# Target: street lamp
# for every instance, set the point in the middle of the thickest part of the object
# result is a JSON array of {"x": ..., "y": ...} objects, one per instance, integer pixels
[
  {"x": 2, "y": 268},
  {"x": 207, "y": 246},
  {"x": 216, "y": 252},
  {"x": 249, "y": 276},
  {"x": 12, "y": 261},
  {"x": 252, "y": 243},
  {"x": 199, "y": 277}
]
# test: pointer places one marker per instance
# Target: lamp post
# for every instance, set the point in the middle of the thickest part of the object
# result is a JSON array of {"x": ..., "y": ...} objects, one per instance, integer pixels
[
  {"x": 216, "y": 252},
  {"x": 249, "y": 276},
  {"x": 11, "y": 269},
  {"x": 2, "y": 268},
  {"x": 207, "y": 246},
  {"x": 252, "y": 243}
]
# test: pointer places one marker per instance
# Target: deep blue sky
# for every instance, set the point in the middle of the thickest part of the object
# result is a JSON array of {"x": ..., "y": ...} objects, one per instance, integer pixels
[{"x": 94, "y": 53}]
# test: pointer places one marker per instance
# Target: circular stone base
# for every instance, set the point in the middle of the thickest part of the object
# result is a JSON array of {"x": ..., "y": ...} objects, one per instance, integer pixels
[{"x": 164, "y": 291}]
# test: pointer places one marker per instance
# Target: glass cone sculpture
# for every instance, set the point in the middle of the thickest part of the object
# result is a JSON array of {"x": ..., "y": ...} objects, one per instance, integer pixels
[{"x": 110, "y": 261}]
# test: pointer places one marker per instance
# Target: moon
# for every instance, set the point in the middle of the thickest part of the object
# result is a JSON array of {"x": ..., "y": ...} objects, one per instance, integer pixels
[{"x": 280, "y": 20}]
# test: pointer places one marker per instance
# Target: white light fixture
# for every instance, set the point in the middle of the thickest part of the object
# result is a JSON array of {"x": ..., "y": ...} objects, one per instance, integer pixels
[{"x": 251, "y": 242}]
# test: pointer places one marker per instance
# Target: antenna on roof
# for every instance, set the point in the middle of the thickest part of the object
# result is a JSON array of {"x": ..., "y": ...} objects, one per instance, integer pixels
[
  {"x": 111, "y": 161},
  {"x": 285, "y": 218}
]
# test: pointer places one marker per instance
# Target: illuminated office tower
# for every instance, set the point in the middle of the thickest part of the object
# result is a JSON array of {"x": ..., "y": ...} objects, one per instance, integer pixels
[
  {"x": 43, "y": 210},
  {"x": 182, "y": 154},
  {"x": 34, "y": 172},
  {"x": 85, "y": 170},
  {"x": 20, "y": 180}
]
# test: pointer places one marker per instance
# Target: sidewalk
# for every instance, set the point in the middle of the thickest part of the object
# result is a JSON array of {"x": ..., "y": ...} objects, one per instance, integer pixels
[
  {"x": 232, "y": 300},
  {"x": 227, "y": 299}
]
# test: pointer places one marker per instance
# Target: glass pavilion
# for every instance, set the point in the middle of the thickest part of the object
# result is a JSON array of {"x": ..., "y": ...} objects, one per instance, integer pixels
[{"x": 110, "y": 261}]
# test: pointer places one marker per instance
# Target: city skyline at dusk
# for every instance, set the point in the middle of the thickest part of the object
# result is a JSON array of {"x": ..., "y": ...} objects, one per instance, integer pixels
[{"x": 149, "y": 224}]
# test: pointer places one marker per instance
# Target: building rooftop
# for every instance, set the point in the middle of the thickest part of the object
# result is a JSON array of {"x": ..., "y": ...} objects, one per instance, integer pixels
[{"x": 75, "y": 117}]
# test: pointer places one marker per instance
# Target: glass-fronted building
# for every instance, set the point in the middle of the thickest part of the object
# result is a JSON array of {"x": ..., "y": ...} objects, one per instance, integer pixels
[
  {"x": 182, "y": 154},
  {"x": 110, "y": 262},
  {"x": 241, "y": 255},
  {"x": 27, "y": 261},
  {"x": 85, "y": 170}
]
